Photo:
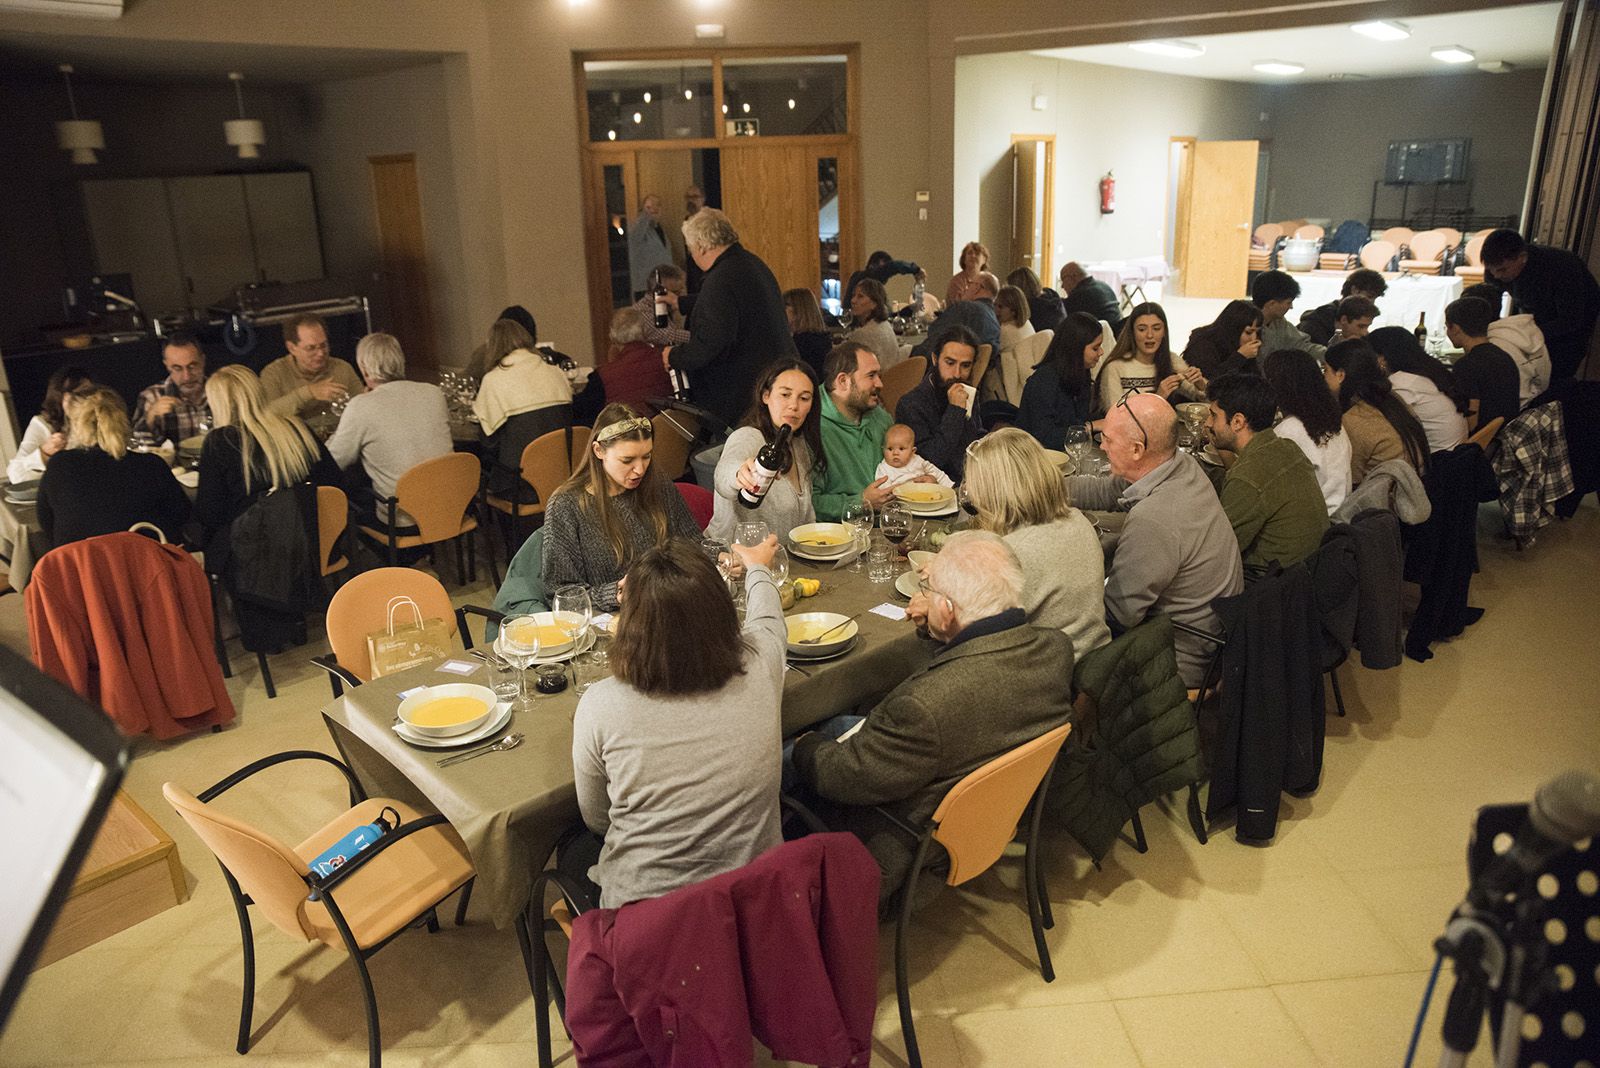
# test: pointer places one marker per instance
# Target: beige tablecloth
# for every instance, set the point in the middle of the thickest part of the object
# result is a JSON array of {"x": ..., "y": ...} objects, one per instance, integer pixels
[
  {"x": 511, "y": 807},
  {"x": 21, "y": 540}
]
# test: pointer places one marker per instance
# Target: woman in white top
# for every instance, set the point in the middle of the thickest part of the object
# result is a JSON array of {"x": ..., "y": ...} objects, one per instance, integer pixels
[
  {"x": 516, "y": 379},
  {"x": 786, "y": 395},
  {"x": 46, "y": 434},
  {"x": 869, "y": 306},
  {"x": 1021, "y": 347},
  {"x": 1311, "y": 419},
  {"x": 1423, "y": 383},
  {"x": 1143, "y": 361}
]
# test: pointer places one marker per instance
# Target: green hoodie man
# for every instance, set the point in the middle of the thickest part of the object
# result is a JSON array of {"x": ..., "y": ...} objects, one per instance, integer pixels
[{"x": 854, "y": 425}]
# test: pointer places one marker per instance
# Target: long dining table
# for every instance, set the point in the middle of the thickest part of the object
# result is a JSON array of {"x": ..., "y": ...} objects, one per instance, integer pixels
[{"x": 510, "y": 807}]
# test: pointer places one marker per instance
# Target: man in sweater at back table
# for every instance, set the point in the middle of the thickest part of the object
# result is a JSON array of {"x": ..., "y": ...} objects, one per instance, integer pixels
[{"x": 308, "y": 378}]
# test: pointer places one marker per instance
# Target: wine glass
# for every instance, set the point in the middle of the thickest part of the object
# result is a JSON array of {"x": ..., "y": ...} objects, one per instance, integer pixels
[
  {"x": 717, "y": 552},
  {"x": 846, "y": 317},
  {"x": 1076, "y": 444},
  {"x": 751, "y": 533},
  {"x": 518, "y": 644},
  {"x": 572, "y": 610},
  {"x": 858, "y": 516},
  {"x": 895, "y": 523},
  {"x": 780, "y": 566}
]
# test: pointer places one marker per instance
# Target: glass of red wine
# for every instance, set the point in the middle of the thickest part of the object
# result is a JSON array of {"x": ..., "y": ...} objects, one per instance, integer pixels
[{"x": 894, "y": 523}]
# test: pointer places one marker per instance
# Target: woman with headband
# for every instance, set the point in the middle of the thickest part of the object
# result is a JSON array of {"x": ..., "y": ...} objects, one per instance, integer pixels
[{"x": 611, "y": 511}]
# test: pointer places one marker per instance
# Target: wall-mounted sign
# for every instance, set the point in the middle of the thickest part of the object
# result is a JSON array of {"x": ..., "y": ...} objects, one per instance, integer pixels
[{"x": 744, "y": 127}]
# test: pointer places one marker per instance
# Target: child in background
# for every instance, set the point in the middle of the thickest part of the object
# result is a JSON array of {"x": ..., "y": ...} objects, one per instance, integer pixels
[{"x": 901, "y": 464}]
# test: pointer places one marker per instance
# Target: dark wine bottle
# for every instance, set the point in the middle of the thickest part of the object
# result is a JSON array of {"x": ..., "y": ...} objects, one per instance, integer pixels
[
  {"x": 663, "y": 309},
  {"x": 1421, "y": 331},
  {"x": 772, "y": 461}
]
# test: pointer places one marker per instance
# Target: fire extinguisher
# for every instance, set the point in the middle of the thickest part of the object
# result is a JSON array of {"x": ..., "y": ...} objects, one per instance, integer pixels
[{"x": 1108, "y": 194}]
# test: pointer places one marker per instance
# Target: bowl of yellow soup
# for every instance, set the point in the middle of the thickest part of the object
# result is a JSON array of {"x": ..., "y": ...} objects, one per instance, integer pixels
[
  {"x": 557, "y": 631},
  {"x": 807, "y": 625},
  {"x": 821, "y": 539},
  {"x": 448, "y": 710},
  {"x": 925, "y": 496}
]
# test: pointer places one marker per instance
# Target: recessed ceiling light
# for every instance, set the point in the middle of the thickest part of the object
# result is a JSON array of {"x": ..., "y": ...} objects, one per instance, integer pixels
[
  {"x": 1278, "y": 66},
  {"x": 1452, "y": 54},
  {"x": 637, "y": 117},
  {"x": 791, "y": 103},
  {"x": 1386, "y": 30},
  {"x": 746, "y": 108},
  {"x": 647, "y": 96},
  {"x": 1346, "y": 76},
  {"x": 1496, "y": 66},
  {"x": 1170, "y": 49},
  {"x": 611, "y": 135},
  {"x": 688, "y": 94}
]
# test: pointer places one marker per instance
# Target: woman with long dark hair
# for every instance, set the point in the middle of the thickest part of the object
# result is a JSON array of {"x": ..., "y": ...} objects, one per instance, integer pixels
[
  {"x": 612, "y": 510},
  {"x": 1381, "y": 426},
  {"x": 1311, "y": 419},
  {"x": 1143, "y": 361},
  {"x": 785, "y": 395},
  {"x": 1060, "y": 392},
  {"x": 46, "y": 434},
  {"x": 1425, "y": 384},
  {"x": 1231, "y": 342}
]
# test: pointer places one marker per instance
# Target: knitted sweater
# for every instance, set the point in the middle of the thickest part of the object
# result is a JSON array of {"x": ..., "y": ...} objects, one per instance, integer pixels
[
  {"x": 577, "y": 552},
  {"x": 1063, "y": 579}
]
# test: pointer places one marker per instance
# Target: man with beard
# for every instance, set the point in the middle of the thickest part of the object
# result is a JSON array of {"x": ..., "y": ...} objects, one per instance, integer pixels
[
  {"x": 854, "y": 424},
  {"x": 173, "y": 408},
  {"x": 942, "y": 410}
]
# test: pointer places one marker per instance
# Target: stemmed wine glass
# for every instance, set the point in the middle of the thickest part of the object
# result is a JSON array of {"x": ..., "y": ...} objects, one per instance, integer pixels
[
  {"x": 572, "y": 609},
  {"x": 751, "y": 533},
  {"x": 780, "y": 566},
  {"x": 895, "y": 523},
  {"x": 717, "y": 552},
  {"x": 518, "y": 645},
  {"x": 1076, "y": 445},
  {"x": 858, "y": 516}
]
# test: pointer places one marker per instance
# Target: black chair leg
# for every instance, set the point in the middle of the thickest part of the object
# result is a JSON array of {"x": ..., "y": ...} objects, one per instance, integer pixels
[
  {"x": 266, "y": 675},
  {"x": 472, "y": 554},
  {"x": 374, "y": 1037},
  {"x": 488, "y": 547},
  {"x": 216, "y": 628},
  {"x": 533, "y": 954},
  {"x": 461, "y": 903},
  {"x": 433, "y": 920},
  {"x": 902, "y": 970},
  {"x": 1338, "y": 698},
  {"x": 247, "y": 939},
  {"x": 1197, "y": 819},
  {"x": 1035, "y": 908},
  {"x": 1045, "y": 914},
  {"x": 1138, "y": 835}
]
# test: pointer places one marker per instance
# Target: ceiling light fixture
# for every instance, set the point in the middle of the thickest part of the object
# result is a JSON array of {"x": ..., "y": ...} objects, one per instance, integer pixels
[
  {"x": 724, "y": 109},
  {"x": 81, "y": 137},
  {"x": 611, "y": 135},
  {"x": 746, "y": 108},
  {"x": 647, "y": 96},
  {"x": 688, "y": 94},
  {"x": 637, "y": 117},
  {"x": 1453, "y": 54},
  {"x": 1170, "y": 49},
  {"x": 247, "y": 135},
  {"x": 1278, "y": 66},
  {"x": 1496, "y": 66},
  {"x": 791, "y": 103},
  {"x": 1385, "y": 30}
]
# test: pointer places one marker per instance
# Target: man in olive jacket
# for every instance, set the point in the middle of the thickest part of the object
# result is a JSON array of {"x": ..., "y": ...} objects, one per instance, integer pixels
[{"x": 995, "y": 683}]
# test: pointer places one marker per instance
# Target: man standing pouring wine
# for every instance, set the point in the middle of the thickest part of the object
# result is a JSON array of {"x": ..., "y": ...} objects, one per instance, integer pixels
[{"x": 767, "y": 464}]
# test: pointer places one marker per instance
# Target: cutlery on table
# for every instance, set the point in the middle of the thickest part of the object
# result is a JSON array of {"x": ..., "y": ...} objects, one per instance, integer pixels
[
  {"x": 510, "y": 741},
  {"x": 814, "y": 639}
]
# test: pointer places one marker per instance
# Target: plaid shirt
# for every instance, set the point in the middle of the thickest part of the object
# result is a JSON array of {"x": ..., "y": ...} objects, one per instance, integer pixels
[
  {"x": 659, "y": 336},
  {"x": 1532, "y": 466},
  {"x": 182, "y": 422}
]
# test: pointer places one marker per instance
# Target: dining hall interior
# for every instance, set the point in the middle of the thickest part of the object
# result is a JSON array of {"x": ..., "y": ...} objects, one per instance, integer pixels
[{"x": 298, "y": 211}]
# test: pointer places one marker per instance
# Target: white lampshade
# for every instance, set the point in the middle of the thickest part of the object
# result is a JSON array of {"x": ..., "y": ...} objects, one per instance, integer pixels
[
  {"x": 81, "y": 137},
  {"x": 246, "y": 135}
]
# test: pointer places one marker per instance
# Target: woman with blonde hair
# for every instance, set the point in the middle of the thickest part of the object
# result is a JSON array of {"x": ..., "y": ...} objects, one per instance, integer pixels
[
  {"x": 964, "y": 284},
  {"x": 96, "y": 486},
  {"x": 252, "y": 452},
  {"x": 1019, "y": 494},
  {"x": 811, "y": 338},
  {"x": 611, "y": 511}
]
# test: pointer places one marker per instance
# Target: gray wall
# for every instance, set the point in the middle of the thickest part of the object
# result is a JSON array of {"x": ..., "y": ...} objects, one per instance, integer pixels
[{"x": 1329, "y": 140}]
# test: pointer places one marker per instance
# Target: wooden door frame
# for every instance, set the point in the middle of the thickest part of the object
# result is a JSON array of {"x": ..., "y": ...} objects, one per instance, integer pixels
[
  {"x": 1179, "y": 199},
  {"x": 595, "y": 155},
  {"x": 430, "y": 360},
  {"x": 1048, "y": 223}
]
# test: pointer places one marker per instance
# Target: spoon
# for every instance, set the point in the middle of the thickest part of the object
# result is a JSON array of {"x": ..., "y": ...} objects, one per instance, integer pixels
[
  {"x": 510, "y": 741},
  {"x": 817, "y": 638}
]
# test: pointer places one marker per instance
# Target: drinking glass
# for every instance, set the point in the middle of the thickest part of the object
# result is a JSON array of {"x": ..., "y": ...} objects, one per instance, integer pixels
[
  {"x": 1076, "y": 444},
  {"x": 895, "y": 523},
  {"x": 519, "y": 644},
  {"x": 880, "y": 562},
  {"x": 505, "y": 679},
  {"x": 751, "y": 533},
  {"x": 572, "y": 611},
  {"x": 780, "y": 566},
  {"x": 591, "y": 667},
  {"x": 858, "y": 516}
]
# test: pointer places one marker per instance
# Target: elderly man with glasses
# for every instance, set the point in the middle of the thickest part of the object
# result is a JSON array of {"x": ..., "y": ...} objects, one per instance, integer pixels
[
  {"x": 1177, "y": 552},
  {"x": 995, "y": 682}
]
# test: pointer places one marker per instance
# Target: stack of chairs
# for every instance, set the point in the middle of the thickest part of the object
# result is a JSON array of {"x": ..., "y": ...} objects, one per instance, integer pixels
[
  {"x": 1264, "y": 246},
  {"x": 1427, "y": 252},
  {"x": 1471, "y": 272}
]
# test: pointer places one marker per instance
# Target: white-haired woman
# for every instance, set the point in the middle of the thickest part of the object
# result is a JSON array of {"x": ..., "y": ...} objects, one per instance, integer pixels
[
  {"x": 391, "y": 428},
  {"x": 251, "y": 452}
]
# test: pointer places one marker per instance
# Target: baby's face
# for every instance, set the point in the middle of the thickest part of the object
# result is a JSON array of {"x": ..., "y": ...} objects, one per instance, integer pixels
[{"x": 898, "y": 449}]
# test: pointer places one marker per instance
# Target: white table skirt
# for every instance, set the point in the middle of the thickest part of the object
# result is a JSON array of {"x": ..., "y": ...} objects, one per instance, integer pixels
[{"x": 1407, "y": 297}]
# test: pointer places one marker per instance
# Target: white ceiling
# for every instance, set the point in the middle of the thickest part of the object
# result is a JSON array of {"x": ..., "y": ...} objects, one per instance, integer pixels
[{"x": 1519, "y": 35}]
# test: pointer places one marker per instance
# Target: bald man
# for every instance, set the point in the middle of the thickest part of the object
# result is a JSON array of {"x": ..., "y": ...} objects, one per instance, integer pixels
[
  {"x": 1079, "y": 292},
  {"x": 1177, "y": 551}
]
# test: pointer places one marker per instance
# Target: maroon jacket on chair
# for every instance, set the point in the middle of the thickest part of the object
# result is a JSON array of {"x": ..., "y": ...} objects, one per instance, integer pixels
[
  {"x": 635, "y": 376},
  {"x": 783, "y": 949}
]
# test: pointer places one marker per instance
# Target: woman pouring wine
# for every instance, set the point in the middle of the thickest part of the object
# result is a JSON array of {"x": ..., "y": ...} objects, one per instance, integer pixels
[{"x": 783, "y": 429}]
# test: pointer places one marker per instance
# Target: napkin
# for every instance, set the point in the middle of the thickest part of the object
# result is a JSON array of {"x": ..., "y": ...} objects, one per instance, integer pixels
[
  {"x": 188, "y": 478},
  {"x": 890, "y": 611}
]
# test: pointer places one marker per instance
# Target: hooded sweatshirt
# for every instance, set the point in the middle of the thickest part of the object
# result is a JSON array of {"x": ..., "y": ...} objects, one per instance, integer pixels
[
  {"x": 1523, "y": 341},
  {"x": 853, "y": 451}
]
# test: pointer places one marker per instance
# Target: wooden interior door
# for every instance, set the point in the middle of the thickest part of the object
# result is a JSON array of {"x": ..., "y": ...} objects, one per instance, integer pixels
[
  {"x": 666, "y": 173},
  {"x": 1215, "y": 210},
  {"x": 1032, "y": 200},
  {"x": 770, "y": 193},
  {"x": 404, "y": 260}
]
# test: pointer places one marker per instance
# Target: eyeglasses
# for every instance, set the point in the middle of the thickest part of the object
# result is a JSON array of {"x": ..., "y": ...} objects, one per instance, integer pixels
[
  {"x": 927, "y": 590},
  {"x": 1144, "y": 439},
  {"x": 321, "y": 347}
]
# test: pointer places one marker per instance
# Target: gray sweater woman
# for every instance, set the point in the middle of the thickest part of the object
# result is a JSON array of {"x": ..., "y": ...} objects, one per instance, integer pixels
[
  {"x": 685, "y": 788},
  {"x": 577, "y": 551},
  {"x": 1064, "y": 578},
  {"x": 787, "y": 503}
]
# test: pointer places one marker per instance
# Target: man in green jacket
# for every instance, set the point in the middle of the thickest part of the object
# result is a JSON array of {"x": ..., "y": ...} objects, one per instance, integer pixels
[
  {"x": 854, "y": 425},
  {"x": 1271, "y": 497}
]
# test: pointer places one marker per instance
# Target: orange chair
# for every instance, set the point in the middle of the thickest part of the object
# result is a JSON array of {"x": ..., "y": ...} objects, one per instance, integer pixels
[
  {"x": 1452, "y": 236},
  {"x": 1427, "y": 252},
  {"x": 1309, "y": 232},
  {"x": 580, "y": 446},
  {"x": 974, "y": 823},
  {"x": 438, "y": 494},
  {"x": 333, "y": 520},
  {"x": 901, "y": 379},
  {"x": 1398, "y": 235},
  {"x": 1376, "y": 255},
  {"x": 1266, "y": 235},
  {"x": 361, "y": 607},
  {"x": 1486, "y": 433},
  {"x": 675, "y": 432},
  {"x": 546, "y": 463},
  {"x": 394, "y": 884}
]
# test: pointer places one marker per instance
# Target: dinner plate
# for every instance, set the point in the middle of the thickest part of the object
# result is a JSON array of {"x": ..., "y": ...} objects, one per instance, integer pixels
[
  {"x": 561, "y": 657},
  {"x": 920, "y": 496},
  {"x": 833, "y": 654},
  {"x": 935, "y": 512},
  {"x": 819, "y": 623},
  {"x": 496, "y": 723},
  {"x": 906, "y": 584},
  {"x": 807, "y": 554}
]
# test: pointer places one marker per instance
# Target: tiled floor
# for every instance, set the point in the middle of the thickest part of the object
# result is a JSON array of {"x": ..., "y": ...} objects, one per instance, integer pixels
[{"x": 1312, "y": 951}]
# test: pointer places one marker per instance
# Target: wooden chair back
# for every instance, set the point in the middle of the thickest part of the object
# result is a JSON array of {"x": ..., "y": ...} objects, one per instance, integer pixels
[
  {"x": 981, "y": 812},
  {"x": 1375, "y": 255},
  {"x": 333, "y": 516},
  {"x": 901, "y": 379},
  {"x": 437, "y": 492},
  {"x": 980, "y": 366},
  {"x": 1309, "y": 232},
  {"x": 1475, "y": 249},
  {"x": 1429, "y": 245},
  {"x": 1452, "y": 236},
  {"x": 1267, "y": 234},
  {"x": 546, "y": 463},
  {"x": 267, "y": 870},
  {"x": 675, "y": 433},
  {"x": 1486, "y": 433},
  {"x": 1398, "y": 235},
  {"x": 580, "y": 446},
  {"x": 362, "y": 606}
]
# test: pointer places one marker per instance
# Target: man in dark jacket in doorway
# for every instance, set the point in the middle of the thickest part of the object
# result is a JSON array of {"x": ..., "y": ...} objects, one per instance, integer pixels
[{"x": 738, "y": 324}]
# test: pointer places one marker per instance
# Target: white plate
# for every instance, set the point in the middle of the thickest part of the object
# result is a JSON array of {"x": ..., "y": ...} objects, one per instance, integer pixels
[
  {"x": 820, "y": 552},
  {"x": 496, "y": 722},
  {"x": 940, "y": 510},
  {"x": 847, "y": 629},
  {"x": 549, "y": 619},
  {"x": 805, "y": 554},
  {"x": 906, "y": 584},
  {"x": 946, "y": 496},
  {"x": 483, "y": 696},
  {"x": 835, "y": 654},
  {"x": 549, "y": 658}
]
